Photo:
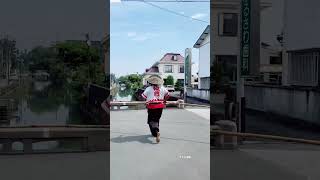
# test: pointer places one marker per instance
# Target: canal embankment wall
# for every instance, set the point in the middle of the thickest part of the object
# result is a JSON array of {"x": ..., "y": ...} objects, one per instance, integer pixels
[{"x": 292, "y": 102}]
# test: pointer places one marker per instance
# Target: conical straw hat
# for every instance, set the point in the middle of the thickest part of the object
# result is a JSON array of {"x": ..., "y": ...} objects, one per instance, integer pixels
[{"x": 155, "y": 79}]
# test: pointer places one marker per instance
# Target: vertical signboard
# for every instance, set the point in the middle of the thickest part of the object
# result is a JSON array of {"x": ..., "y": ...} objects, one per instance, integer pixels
[
  {"x": 245, "y": 37},
  {"x": 187, "y": 67}
]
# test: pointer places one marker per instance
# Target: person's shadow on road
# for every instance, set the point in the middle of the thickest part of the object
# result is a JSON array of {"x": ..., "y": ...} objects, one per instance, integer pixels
[{"x": 140, "y": 138}]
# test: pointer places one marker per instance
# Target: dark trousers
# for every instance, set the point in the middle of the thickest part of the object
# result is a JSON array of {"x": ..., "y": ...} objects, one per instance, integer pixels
[{"x": 154, "y": 116}]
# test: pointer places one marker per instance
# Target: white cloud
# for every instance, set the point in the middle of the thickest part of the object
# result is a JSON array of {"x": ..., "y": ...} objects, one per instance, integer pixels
[
  {"x": 181, "y": 12},
  {"x": 199, "y": 15},
  {"x": 140, "y": 38},
  {"x": 132, "y": 34},
  {"x": 152, "y": 35},
  {"x": 115, "y": 1},
  {"x": 144, "y": 37}
]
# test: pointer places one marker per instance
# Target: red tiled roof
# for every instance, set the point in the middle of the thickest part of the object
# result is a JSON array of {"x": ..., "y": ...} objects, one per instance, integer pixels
[
  {"x": 168, "y": 58},
  {"x": 153, "y": 70}
]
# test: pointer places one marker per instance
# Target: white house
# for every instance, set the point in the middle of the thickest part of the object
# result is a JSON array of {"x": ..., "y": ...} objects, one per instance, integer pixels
[
  {"x": 270, "y": 64},
  {"x": 203, "y": 44},
  {"x": 170, "y": 64}
]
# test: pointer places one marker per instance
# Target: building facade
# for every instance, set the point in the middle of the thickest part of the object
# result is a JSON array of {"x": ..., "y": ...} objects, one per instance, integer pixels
[
  {"x": 301, "y": 41},
  {"x": 270, "y": 64},
  {"x": 203, "y": 44},
  {"x": 171, "y": 64},
  {"x": 7, "y": 57},
  {"x": 226, "y": 36}
]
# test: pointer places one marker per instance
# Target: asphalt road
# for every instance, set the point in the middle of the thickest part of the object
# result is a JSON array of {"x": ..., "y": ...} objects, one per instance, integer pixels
[
  {"x": 183, "y": 152},
  {"x": 279, "y": 161}
]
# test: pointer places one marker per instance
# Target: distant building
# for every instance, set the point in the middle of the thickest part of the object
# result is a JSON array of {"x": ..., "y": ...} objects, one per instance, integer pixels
[
  {"x": 270, "y": 64},
  {"x": 170, "y": 64},
  {"x": 106, "y": 50},
  {"x": 195, "y": 81},
  {"x": 7, "y": 56},
  {"x": 203, "y": 44}
]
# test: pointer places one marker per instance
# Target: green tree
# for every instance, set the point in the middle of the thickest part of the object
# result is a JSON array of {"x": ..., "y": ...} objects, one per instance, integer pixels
[
  {"x": 81, "y": 62},
  {"x": 76, "y": 53},
  {"x": 132, "y": 81},
  {"x": 169, "y": 80},
  {"x": 40, "y": 58},
  {"x": 178, "y": 86}
]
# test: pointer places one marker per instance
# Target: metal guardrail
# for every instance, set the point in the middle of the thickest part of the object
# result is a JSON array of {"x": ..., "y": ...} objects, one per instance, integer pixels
[
  {"x": 55, "y": 126},
  {"x": 264, "y": 136}
]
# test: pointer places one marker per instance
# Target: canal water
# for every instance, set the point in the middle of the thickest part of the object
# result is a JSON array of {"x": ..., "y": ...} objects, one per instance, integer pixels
[
  {"x": 43, "y": 103},
  {"x": 122, "y": 94}
]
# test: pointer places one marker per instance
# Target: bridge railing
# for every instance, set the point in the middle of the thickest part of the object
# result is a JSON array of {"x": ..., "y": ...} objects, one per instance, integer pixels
[
  {"x": 87, "y": 137},
  {"x": 115, "y": 105}
]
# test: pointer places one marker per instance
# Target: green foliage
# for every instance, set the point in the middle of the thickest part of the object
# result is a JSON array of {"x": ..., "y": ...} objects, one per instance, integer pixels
[
  {"x": 178, "y": 86},
  {"x": 70, "y": 64},
  {"x": 75, "y": 53},
  {"x": 169, "y": 80},
  {"x": 132, "y": 81},
  {"x": 40, "y": 58}
]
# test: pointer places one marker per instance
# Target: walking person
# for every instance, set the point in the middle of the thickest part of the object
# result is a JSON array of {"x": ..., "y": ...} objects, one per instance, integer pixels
[{"x": 156, "y": 96}]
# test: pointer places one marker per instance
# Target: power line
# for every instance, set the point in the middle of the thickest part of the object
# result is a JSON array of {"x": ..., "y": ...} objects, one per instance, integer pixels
[{"x": 170, "y": 11}]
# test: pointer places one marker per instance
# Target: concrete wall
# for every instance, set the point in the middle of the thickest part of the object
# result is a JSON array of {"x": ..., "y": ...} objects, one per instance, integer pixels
[
  {"x": 200, "y": 94},
  {"x": 204, "y": 83},
  {"x": 294, "y": 103},
  {"x": 204, "y": 58}
]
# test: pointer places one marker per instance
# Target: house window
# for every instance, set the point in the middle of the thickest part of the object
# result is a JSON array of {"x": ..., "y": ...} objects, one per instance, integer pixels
[
  {"x": 228, "y": 24},
  {"x": 168, "y": 69},
  {"x": 181, "y": 69},
  {"x": 275, "y": 60},
  {"x": 181, "y": 81},
  {"x": 174, "y": 58}
]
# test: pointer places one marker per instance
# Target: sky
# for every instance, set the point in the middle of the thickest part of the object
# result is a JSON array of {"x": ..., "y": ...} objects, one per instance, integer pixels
[
  {"x": 141, "y": 34},
  {"x": 39, "y": 22}
]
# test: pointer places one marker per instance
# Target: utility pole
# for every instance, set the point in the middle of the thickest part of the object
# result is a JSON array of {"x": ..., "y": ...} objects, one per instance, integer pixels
[
  {"x": 187, "y": 72},
  {"x": 88, "y": 42},
  {"x": 18, "y": 59},
  {"x": 8, "y": 60}
]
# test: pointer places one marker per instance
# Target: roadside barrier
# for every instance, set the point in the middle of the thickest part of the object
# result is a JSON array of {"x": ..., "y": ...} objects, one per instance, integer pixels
[{"x": 264, "y": 136}]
